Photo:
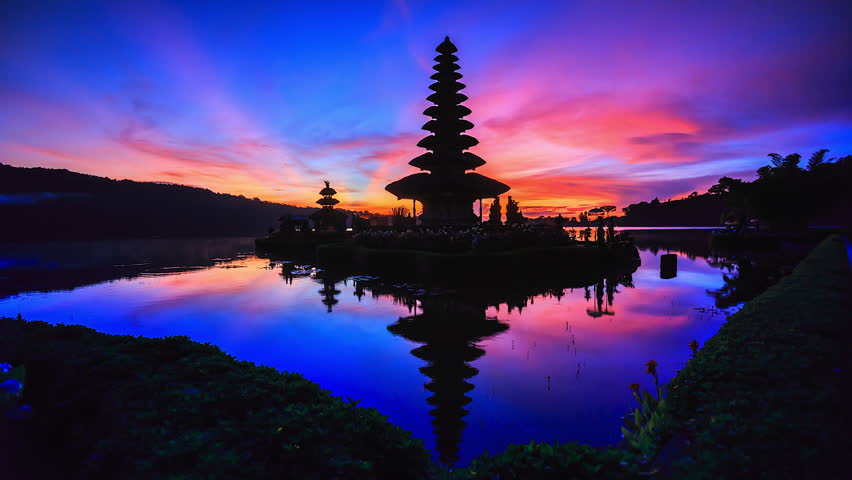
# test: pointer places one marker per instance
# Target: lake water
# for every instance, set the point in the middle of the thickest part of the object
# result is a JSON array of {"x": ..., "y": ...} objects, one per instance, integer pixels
[{"x": 466, "y": 371}]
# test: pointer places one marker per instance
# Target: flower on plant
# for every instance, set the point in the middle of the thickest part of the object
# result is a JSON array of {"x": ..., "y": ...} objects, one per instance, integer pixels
[
  {"x": 652, "y": 367},
  {"x": 5, "y": 367},
  {"x": 694, "y": 346},
  {"x": 11, "y": 386},
  {"x": 634, "y": 387}
]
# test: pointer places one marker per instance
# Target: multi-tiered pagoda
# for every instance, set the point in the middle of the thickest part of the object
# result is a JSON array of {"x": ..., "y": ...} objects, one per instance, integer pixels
[
  {"x": 327, "y": 219},
  {"x": 447, "y": 193},
  {"x": 328, "y": 201}
]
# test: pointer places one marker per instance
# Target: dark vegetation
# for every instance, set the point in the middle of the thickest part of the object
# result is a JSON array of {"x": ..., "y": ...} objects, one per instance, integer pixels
[
  {"x": 785, "y": 197},
  {"x": 108, "y": 406},
  {"x": 768, "y": 395},
  {"x": 487, "y": 238},
  {"x": 41, "y": 203},
  {"x": 695, "y": 211}
]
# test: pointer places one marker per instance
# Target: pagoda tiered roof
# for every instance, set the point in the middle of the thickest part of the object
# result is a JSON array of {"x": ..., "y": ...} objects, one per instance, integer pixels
[
  {"x": 447, "y": 161},
  {"x": 327, "y": 193}
]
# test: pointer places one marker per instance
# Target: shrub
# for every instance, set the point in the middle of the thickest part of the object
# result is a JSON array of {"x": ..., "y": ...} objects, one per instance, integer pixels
[
  {"x": 124, "y": 407},
  {"x": 534, "y": 461}
]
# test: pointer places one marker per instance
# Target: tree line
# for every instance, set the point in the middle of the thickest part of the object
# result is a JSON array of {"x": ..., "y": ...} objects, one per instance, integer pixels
[
  {"x": 41, "y": 203},
  {"x": 785, "y": 196}
]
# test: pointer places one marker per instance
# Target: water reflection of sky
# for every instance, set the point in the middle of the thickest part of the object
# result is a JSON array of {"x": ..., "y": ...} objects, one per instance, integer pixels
[{"x": 556, "y": 374}]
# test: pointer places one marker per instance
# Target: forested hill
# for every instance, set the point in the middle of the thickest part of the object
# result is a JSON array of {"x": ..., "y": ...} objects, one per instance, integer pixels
[
  {"x": 41, "y": 203},
  {"x": 694, "y": 211}
]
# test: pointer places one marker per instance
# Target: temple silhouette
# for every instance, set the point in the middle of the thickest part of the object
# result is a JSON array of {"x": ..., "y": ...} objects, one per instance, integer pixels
[
  {"x": 328, "y": 201},
  {"x": 327, "y": 219},
  {"x": 449, "y": 331},
  {"x": 447, "y": 193}
]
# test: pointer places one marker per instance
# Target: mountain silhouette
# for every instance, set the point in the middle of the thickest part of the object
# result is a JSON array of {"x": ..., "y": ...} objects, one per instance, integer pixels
[{"x": 59, "y": 204}]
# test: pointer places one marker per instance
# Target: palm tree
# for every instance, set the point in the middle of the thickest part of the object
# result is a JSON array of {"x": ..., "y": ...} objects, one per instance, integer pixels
[{"x": 817, "y": 158}]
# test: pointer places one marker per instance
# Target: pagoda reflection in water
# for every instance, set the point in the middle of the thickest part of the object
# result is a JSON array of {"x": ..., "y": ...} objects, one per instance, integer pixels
[{"x": 449, "y": 331}]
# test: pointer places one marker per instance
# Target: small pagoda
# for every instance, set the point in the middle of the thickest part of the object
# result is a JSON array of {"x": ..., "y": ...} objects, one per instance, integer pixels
[
  {"x": 327, "y": 218},
  {"x": 447, "y": 192},
  {"x": 328, "y": 201}
]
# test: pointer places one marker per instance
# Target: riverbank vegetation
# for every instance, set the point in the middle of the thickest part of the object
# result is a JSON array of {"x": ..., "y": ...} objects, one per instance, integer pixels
[{"x": 767, "y": 396}]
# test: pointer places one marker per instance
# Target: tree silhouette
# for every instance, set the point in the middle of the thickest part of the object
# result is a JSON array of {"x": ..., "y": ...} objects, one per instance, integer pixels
[
  {"x": 817, "y": 158},
  {"x": 790, "y": 162},
  {"x": 513, "y": 213},
  {"x": 495, "y": 212},
  {"x": 401, "y": 215}
]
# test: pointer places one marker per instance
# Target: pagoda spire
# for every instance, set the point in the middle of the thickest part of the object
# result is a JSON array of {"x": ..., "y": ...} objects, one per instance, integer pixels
[
  {"x": 447, "y": 142},
  {"x": 447, "y": 192}
]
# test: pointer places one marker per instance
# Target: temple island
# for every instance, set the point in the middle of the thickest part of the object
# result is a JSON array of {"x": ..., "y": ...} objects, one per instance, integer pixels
[
  {"x": 448, "y": 241},
  {"x": 323, "y": 226}
]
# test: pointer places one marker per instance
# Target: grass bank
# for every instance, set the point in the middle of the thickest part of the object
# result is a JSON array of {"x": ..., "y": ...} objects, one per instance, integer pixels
[{"x": 768, "y": 395}]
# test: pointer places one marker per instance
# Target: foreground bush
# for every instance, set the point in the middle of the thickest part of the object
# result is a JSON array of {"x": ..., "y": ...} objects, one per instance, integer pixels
[
  {"x": 108, "y": 406},
  {"x": 547, "y": 461}
]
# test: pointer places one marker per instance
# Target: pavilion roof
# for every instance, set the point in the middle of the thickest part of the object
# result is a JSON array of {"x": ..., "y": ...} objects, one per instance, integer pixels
[{"x": 426, "y": 185}]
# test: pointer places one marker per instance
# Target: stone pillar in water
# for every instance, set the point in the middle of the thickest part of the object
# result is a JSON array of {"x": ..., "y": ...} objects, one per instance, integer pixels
[{"x": 668, "y": 265}]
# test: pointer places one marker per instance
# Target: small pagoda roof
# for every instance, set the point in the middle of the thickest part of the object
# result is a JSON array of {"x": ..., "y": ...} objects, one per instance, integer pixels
[
  {"x": 446, "y": 47},
  {"x": 430, "y": 161},
  {"x": 446, "y": 67},
  {"x": 446, "y": 76},
  {"x": 426, "y": 185},
  {"x": 328, "y": 191},
  {"x": 453, "y": 86},
  {"x": 460, "y": 142},
  {"x": 441, "y": 98},
  {"x": 455, "y": 126},
  {"x": 446, "y": 58},
  {"x": 328, "y": 201},
  {"x": 435, "y": 111}
]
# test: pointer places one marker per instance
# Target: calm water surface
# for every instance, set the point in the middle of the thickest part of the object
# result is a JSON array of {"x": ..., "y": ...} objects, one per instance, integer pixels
[{"x": 465, "y": 371}]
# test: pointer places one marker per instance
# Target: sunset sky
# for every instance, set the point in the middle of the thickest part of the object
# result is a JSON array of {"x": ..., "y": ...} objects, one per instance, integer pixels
[{"x": 576, "y": 104}]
